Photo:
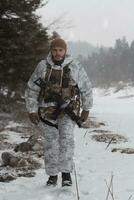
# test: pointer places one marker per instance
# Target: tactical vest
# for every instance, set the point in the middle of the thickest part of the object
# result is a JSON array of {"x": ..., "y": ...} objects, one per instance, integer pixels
[{"x": 57, "y": 88}]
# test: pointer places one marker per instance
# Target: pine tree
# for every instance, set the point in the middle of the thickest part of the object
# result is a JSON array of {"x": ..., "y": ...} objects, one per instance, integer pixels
[{"x": 23, "y": 41}]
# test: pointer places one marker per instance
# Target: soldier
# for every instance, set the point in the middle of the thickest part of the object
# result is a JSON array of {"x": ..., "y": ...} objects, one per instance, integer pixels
[{"x": 53, "y": 96}]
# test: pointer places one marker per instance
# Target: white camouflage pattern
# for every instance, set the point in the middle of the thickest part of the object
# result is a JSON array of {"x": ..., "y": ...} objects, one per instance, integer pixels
[{"x": 59, "y": 144}]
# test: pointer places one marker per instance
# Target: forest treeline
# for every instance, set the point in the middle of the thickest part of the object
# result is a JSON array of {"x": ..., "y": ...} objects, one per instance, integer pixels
[{"x": 111, "y": 66}]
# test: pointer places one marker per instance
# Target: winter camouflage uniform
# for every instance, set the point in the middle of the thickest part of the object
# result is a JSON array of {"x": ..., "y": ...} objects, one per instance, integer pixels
[{"x": 59, "y": 143}]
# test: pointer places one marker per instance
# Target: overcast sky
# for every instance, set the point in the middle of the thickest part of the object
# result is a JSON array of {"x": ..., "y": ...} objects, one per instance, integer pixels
[{"x": 100, "y": 22}]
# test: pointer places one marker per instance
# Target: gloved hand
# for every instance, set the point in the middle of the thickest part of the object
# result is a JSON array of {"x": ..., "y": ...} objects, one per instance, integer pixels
[
  {"x": 84, "y": 115},
  {"x": 34, "y": 118}
]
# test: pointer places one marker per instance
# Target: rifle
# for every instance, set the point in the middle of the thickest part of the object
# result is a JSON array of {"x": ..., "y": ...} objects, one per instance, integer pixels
[
  {"x": 69, "y": 111},
  {"x": 62, "y": 105},
  {"x": 65, "y": 107}
]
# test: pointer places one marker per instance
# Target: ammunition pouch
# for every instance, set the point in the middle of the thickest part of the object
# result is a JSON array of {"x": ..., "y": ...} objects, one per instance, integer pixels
[
  {"x": 48, "y": 113},
  {"x": 42, "y": 115}
]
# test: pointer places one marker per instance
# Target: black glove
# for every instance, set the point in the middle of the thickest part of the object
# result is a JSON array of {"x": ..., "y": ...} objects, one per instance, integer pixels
[
  {"x": 84, "y": 115},
  {"x": 34, "y": 118}
]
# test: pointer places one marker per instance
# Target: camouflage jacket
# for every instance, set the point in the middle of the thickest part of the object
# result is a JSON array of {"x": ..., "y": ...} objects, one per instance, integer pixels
[{"x": 78, "y": 77}]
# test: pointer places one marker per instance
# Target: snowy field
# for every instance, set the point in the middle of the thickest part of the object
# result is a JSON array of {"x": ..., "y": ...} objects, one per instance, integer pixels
[{"x": 93, "y": 162}]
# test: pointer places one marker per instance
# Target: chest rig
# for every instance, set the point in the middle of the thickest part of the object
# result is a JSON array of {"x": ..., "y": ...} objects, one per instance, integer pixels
[
  {"x": 57, "y": 88},
  {"x": 57, "y": 84}
]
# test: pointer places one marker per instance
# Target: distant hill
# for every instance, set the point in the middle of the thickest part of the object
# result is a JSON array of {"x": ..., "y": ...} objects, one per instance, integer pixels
[{"x": 81, "y": 48}]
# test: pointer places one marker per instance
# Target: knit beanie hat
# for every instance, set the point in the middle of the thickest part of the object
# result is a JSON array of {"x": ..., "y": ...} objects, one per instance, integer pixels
[{"x": 58, "y": 42}]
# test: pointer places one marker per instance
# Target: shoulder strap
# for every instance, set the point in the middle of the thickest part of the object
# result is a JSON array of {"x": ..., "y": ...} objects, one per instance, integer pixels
[{"x": 39, "y": 82}]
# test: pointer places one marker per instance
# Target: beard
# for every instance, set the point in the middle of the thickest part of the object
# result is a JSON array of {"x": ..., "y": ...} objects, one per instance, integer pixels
[{"x": 58, "y": 62}]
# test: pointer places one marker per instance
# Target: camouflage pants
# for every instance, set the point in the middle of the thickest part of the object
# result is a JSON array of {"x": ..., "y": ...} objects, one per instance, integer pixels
[{"x": 59, "y": 146}]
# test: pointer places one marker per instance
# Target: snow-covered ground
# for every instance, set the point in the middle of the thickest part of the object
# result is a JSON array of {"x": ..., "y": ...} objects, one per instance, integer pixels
[{"x": 93, "y": 163}]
